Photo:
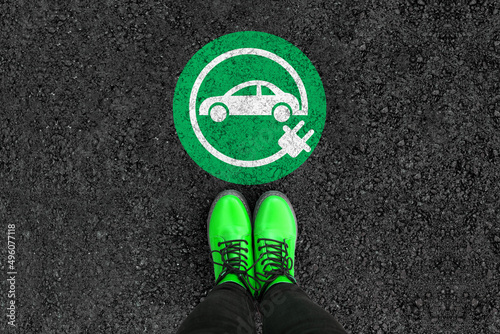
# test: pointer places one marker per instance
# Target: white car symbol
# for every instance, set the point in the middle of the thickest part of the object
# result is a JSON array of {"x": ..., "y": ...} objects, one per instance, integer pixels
[{"x": 275, "y": 102}]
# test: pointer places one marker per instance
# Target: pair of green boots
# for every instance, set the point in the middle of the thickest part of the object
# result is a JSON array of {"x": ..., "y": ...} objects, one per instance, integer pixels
[{"x": 254, "y": 257}]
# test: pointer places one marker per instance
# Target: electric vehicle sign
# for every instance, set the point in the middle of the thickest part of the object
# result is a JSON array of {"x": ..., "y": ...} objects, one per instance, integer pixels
[{"x": 249, "y": 108}]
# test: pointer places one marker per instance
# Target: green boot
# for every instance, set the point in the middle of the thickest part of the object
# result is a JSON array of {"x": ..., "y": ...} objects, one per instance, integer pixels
[
  {"x": 230, "y": 239},
  {"x": 275, "y": 234}
]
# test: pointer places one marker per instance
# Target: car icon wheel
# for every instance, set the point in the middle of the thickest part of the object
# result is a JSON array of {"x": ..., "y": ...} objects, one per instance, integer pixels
[
  {"x": 218, "y": 112},
  {"x": 281, "y": 112}
]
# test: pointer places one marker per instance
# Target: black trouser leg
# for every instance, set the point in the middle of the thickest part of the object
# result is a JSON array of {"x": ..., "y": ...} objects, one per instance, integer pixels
[
  {"x": 286, "y": 309},
  {"x": 227, "y": 309}
]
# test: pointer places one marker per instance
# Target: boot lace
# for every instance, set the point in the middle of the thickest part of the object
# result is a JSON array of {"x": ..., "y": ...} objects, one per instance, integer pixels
[
  {"x": 276, "y": 261},
  {"x": 234, "y": 261}
]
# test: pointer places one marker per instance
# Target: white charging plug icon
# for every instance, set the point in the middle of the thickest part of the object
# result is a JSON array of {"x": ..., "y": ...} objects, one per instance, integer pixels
[{"x": 291, "y": 143}]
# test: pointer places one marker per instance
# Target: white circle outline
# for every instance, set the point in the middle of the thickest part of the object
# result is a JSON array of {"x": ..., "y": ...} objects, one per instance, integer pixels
[{"x": 204, "y": 73}]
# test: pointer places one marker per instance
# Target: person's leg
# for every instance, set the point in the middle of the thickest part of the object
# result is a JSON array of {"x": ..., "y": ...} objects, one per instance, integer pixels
[
  {"x": 228, "y": 308},
  {"x": 286, "y": 309},
  {"x": 284, "y": 306}
]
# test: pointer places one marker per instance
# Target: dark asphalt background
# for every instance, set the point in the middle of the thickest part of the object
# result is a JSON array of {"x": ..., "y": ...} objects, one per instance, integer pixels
[{"x": 398, "y": 206}]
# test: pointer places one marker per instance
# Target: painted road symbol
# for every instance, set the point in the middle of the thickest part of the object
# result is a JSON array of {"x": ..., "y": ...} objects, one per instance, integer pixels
[
  {"x": 273, "y": 102},
  {"x": 249, "y": 108}
]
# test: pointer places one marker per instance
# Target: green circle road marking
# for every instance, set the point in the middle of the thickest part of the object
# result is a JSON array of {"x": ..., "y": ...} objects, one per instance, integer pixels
[{"x": 249, "y": 108}]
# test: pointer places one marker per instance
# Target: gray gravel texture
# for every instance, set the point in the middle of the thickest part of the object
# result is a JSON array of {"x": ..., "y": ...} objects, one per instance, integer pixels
[{"x": 398, "y": 206}]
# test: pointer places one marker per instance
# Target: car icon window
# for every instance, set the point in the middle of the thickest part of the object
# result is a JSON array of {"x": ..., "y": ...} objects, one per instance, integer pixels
[
  {"x": 267, "y": 91},
  {"x": 246, "y": 91}
]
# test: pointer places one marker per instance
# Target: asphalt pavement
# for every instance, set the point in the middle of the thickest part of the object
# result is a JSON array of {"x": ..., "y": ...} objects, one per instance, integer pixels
[{"x": 398, "y": 207}]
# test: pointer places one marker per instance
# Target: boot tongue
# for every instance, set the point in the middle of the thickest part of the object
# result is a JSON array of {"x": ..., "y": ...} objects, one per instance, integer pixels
[
  {"x": 275, "y": 253},
  {"x": 280, "y": 263},
  {"x": 235, "y": 261},
  {"x": 235, "y": 257},
  {"x": 232, "y": 278}
]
